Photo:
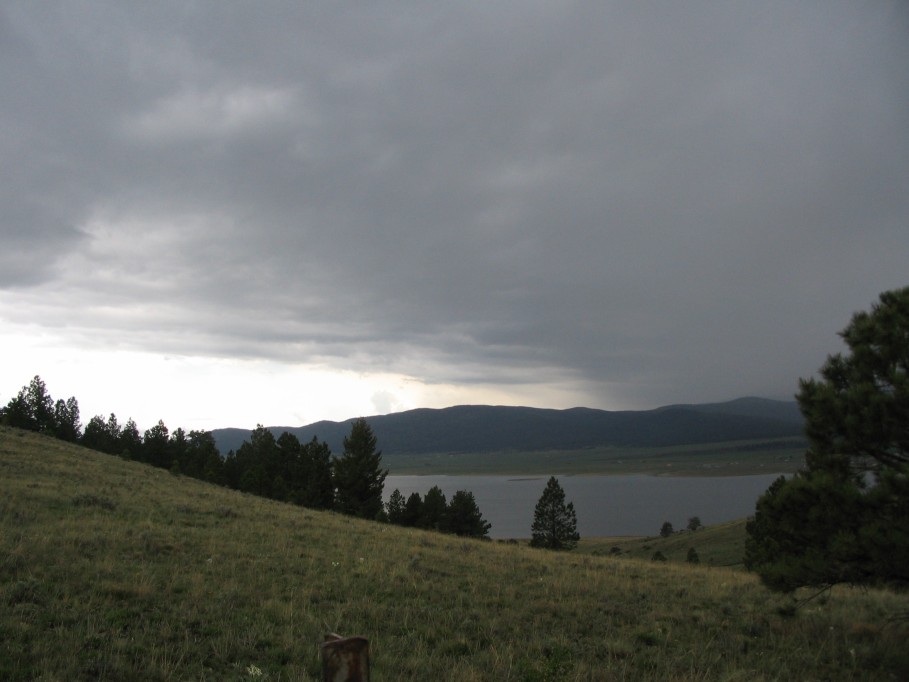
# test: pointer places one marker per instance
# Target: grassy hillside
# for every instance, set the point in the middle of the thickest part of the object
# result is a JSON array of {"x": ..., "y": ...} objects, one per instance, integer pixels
[
  {"x": 719, "y": 545},
  {"x": 111, "y": 570}
]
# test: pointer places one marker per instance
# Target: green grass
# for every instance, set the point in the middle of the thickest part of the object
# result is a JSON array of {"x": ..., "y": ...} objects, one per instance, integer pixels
[
  {"x": 111, "y": 570},
  {"x": 737, "y": 458},
  {"x": 720, "y": 545}
]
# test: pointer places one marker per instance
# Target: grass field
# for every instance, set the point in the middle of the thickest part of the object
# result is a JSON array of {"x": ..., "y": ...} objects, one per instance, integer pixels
[
  {"x": 737, "y": 458},
  {"x": 719, "y": 545},
  {"x": 111, "y": 570}
]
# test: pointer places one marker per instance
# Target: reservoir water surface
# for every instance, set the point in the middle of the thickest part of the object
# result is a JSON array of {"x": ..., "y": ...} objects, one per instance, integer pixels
[{"x": 605, "y": 505}]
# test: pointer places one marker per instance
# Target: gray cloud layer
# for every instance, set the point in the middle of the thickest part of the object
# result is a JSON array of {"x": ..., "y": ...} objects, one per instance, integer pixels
[{"x": 659, "y": 201}]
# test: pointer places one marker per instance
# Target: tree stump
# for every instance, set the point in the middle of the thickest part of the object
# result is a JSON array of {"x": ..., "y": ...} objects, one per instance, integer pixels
[{"x": 344, "y": 659}]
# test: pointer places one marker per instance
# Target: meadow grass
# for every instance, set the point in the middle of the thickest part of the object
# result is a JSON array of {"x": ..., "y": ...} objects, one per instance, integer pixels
[
  {"x": 112, "y": 570},
  {"x": 722, "y": 544}
]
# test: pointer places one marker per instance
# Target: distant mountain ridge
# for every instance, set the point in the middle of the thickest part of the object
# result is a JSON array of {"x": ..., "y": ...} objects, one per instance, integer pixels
[{"x": 487, "y": 428}]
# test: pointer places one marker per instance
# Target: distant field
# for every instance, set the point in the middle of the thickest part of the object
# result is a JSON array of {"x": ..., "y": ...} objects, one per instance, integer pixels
[
  {"x": 738, "y": 458},
  {"x": 112, "y": 570},
  {"x": 720, "y": 545}
]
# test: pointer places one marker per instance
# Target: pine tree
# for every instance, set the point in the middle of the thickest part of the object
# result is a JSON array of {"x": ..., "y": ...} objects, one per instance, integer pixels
[
  {"x": 394, "y": 508},
  {"x": 291, "y": 467},
  {"x": 434, "y": 505},
  {"x": 358, "y": 475},
  {"x": 256, "y": 462},
  {"x": 41, "y": 406},
  {"x": 129, "y": 442},
  {"x": 319, "y": 487},
  {"x": 463, "y": 517},
  {"x": 102, "y": 435},
  {"x": 202, "y": 453},
  {"x": 555, "y": 525},
  {"x": 17, "y": 412},
  {"x": 845, "y": 517},
  {"x": 413, "y": 510},
  {"x": 155, "y": 446},
  {"x": 66, "y": 418},
  {"x": 32, "y": 408}
]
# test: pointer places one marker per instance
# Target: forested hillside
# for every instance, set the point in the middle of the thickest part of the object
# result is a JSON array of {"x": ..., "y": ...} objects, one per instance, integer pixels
[{"x": 484, "y": 428}]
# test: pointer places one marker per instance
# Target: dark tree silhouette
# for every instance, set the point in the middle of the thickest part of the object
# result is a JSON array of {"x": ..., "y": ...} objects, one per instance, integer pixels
[
  {"x": 434, "y": 505},
  {"x": 33, "y": 408},
  {"x": 413, "y": 510},
  {"x": 394, "y": 508},
  {"x": 103, "y": 436},
  {"x": 358, "y": 474},
  {"x": 66, "y": 420},
  {"x": 845, "y": 517},
  {"x": 555, "y": 524},
  {"x": 463, "y": 517}
]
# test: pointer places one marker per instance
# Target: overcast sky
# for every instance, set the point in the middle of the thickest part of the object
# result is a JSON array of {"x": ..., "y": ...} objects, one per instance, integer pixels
[{"x": 226, "y": 213}]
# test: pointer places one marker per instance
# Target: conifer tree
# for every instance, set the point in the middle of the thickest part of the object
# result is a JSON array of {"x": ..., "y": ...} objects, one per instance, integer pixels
[
  {"x": 66, "y": 418},
  {"x": 32, "y": 408},
  {"x": 155, "y": 446},
  {"x": 17, "y": 413},
  {"x": 41, "y": 405},
  {"x": 203, "y": 453},
  {"x": 434, "y": 505},
  {"x": 555, "y": 524},
  {"x": 845, "y": 517},
  {"x": 102, "y": 435},
  {"x": 463, "y": 516},
  {"x": 413, "y": 509},
  {"x": 256, "y": 462},
  {"x": 129, "y": 441},
  {"x": 358, "y": 474},
  {"x": 319, "y": 488},
  {"x": 394, "y": 508}
]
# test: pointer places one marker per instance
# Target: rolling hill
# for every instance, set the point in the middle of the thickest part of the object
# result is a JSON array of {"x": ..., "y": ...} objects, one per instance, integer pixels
[
  {"x": 115, "y": 570},
  {"x": 485, "y": 428}
]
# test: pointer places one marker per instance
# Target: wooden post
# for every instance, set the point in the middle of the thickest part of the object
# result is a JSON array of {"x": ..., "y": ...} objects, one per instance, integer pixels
[{"x": 344, "y": 659}]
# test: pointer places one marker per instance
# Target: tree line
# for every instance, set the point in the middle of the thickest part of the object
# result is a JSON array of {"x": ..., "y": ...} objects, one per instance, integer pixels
[
  {"x": 282, "y": 468},
  {"x": 194, "y": 453},
  {"x": 285, "y": 469},
  {"x": 460, "y": 515}
]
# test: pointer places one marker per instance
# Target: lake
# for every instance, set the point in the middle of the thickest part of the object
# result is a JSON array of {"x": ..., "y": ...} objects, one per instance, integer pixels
[{"x": 605, "y": 505}]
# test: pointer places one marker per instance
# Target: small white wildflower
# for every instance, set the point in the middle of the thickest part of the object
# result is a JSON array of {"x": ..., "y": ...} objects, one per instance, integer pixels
[{"x": 254, "y": 671}]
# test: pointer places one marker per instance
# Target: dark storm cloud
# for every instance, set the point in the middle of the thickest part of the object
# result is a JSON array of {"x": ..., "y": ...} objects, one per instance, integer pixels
[{"x": 661, "y": 201}]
